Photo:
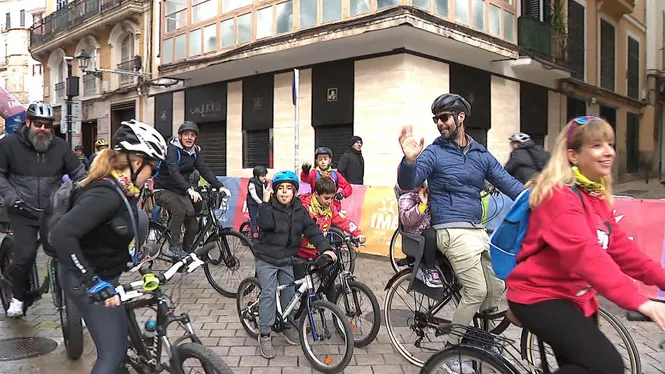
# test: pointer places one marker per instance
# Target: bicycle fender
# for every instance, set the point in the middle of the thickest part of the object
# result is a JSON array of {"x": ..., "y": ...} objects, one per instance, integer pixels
[{"x": 394, "y": 278}]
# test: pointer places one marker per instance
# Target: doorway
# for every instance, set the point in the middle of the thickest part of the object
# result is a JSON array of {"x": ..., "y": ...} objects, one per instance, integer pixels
[
  {"x": 575, "y": 108},
  {"x": 610, "y": 115},
  {"x": 122, "y": 112},
  {"x": 88, "y": 137}
]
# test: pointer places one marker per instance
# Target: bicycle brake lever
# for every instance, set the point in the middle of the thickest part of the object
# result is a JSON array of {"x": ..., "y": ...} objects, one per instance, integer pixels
[{"x": 124, "y": 296}]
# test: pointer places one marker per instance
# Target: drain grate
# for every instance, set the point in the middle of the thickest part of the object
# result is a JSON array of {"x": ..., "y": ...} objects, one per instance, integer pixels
[{"x": 21, "y": 348}]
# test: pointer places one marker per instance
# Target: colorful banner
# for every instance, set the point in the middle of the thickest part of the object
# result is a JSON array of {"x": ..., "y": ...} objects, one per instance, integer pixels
[{"x": 11, "y": 110}]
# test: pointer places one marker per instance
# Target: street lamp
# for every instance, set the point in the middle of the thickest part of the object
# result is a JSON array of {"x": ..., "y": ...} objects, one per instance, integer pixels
[{"x": 72, "y": 90}]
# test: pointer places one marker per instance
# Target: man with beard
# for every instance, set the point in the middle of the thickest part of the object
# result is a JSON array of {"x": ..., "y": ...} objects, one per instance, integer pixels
[
  {"x": 456, "y": 167},
  {"x": 32, "y": 163}
]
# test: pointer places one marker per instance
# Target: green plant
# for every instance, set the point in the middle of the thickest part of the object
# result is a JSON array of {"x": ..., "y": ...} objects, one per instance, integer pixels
[{"x": 558, "y": 19}]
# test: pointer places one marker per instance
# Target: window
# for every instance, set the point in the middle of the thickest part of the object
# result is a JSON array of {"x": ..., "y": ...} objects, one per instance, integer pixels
[
  {"x": 264, "y": 23},
  {"x": 180, "y": 47},
  {"x": 441, "y": 7},
  {"x": 195, "y": 42},
  {"x": 22, "y": 18},
  {"x": 244, "y": 28},
  {"x": 332, "y": 10},
  {"x": 633, "y": 68},
  {"x": 256, "y": 149},
  {"x": 228, "y": 36},
  {"x": 424, "y": 4},
  {"x": 210, "y": 38},
  {"x": 495, "y": 20},
  {"x": 308, "y": 13},
  {"x": 8, "y": 21},
  {"x": 508, "y": 26},
  {"x": 359, "y": 7},
  {"x": 127, "y": 48},
  {"x": 284, "y": 17},
  {"x": 36, "y": 70},
  {"x": 229, "y": 5},
  {"x": 478, "y": 12},
  {"x": 462, "y": 11},
  {"x": 61, "y": 4},
  {"x": 167, "y": 51},
  {"x": 176, "y": 14},
  {"x": 575, "y": 41},
  {"x": 607, "y": 54},
  {"x": 203, "y": 9},
  {"x": 386, "y": 3},
  {"x": 632, "y": 143}
]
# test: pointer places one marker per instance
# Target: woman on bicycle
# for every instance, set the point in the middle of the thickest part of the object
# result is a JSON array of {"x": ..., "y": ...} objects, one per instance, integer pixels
[
  {"x": 92, "y": 240},
  {"x": 574, "y": 249}
]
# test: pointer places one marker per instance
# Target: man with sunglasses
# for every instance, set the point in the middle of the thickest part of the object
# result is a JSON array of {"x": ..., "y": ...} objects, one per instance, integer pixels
[
  {"x": 456, "y": 167},
  {"x": 32, "y": 163}
]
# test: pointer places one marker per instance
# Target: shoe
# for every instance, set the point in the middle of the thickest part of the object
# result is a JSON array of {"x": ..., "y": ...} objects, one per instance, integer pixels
[
  {"x": 176, "y": 251},
  {"x": 266, "y": 348},
  {"x": 291, "y": 335},
  {"x": 456, "y": 366},
  {"x": 432, "y": 278},
  {"x": 15, "y": 308}
]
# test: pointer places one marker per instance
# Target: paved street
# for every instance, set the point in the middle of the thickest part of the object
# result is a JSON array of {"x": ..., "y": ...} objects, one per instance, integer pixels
[{"x": 217, "y": 323}]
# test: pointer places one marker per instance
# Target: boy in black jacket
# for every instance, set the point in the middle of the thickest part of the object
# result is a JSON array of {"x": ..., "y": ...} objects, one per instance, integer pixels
[{"x": 282, "y": 220}]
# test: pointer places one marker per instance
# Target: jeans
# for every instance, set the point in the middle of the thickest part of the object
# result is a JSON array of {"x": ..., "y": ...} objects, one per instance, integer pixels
[
  {"x": 253, "y": 212},
  {"x": 23, "y": 257},
  {"x": 182, "y": 210},
  {"x": 269, "y": 275},
  {"x": 107, "y": 326}
]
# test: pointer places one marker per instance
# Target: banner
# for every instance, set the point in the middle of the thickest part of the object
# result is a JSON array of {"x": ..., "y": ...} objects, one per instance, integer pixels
[{"x": 11, "y": 110}]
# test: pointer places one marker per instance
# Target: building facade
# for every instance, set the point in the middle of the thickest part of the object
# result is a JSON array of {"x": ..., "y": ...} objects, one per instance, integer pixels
[
  {"x": 369, "y": 67},
  {"x": 655, "y": 85},
  {"x": 112, "y": 33},
  {"x": 20, "y": 74}
]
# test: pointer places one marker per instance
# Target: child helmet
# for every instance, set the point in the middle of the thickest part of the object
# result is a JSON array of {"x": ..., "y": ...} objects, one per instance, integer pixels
[
  {"x": 323, "y": 151},
  {"x": 285, "y": 176}
]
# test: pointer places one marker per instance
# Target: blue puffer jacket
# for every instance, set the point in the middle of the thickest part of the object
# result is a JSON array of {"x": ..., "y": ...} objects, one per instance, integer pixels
[{"x": 455, "y": 179}]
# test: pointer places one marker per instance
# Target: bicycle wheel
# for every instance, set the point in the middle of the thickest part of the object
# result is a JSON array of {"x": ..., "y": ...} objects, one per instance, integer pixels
[
  {"x": 396, "y": 252},
  {"x": 351, "y": 304},
  {"x": 349, "y": 253},
  {"x": 245, "y": 229},
  {"x": 247, "y": 305},
  {"x": 5, "y": 257},
  {"x": 465, "y": 358},
  {"x": 70, "y": 319},
  {"x": 615, "y": 331},
  {"x": 229, "y": 263},
  {"x": 209, "y": 361},
  {"x": 159, "y": 236},
  {"x": 331, "y": 363}
]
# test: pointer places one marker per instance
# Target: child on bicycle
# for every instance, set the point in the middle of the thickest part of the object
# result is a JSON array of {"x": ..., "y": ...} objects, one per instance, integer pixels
[
  {"x": 323, "y": 212},
  {"x": 323, "y": 157},
  {"x": 282, "y": 220},
  {"x": 255, "y": 187},
  {"x": 416, "y": 219}
]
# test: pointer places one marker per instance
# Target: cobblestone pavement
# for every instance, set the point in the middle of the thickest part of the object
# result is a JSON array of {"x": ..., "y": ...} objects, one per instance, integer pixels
[
  {"x": 216, "y": 321},
  {"x": 641, "y": 189}
]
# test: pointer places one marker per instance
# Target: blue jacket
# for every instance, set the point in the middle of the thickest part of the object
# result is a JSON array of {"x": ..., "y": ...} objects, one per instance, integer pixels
[{"x": 455, "y": 179}]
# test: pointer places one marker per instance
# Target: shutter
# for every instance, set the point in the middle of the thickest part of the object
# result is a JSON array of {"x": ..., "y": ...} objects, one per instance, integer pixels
[
  {"x": 633, "y": 68},
  {"x": 256, "y": 148},
  {"x": 632, "y": 143},
  {"x": 547, "y": 11},
  {"x": 531, "y": 8},
  {"x": 334, "y": 137},
  {"x": 212, "y": 139},
  {"x": 575, "y": 42},
  {"x": 533, "y": 109},
  {"x": 479, "y": 135},
  {"x": 607, "y": 50}
]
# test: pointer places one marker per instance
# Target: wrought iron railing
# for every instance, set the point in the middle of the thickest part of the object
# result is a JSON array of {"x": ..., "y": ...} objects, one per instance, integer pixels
[
  {"x": 128, "y": 65},
  {"x": 89, "y": 85},
  {"x": 539, "y": 39}
]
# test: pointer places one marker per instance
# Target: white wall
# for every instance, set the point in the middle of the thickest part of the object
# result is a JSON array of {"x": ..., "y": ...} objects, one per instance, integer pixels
[{"x": 655, "y": 26}]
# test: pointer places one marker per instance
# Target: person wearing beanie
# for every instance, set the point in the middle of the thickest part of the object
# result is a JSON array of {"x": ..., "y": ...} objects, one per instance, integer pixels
[{"x": 352, "y": 164}]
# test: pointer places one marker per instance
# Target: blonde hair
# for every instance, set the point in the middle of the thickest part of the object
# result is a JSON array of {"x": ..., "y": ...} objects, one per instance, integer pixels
[
  {"x": 108, "y": 160},
  {"x": 558, "y": 171}
]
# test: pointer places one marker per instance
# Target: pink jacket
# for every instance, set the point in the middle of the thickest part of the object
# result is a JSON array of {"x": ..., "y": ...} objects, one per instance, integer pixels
[{"x": 413, "y": 220}]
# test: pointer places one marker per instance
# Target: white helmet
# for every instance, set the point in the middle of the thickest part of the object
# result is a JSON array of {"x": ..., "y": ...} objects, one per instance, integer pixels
[
  {"x": 520, "y": 137},
  {"x": 135, "y": 136}
]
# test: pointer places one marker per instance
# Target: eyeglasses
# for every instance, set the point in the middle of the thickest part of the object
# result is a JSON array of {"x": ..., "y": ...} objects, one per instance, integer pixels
[
  {"x": 44, "y": 124},
  {"x": 580, "y": 121},
  {"x": 443, "y": 117}
]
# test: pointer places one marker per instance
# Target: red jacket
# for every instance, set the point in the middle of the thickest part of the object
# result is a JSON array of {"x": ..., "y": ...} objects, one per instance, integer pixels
[
  {"x": 571, "y": 250},
  {"x": 325, "y": 221},
  {"x": 342, "y": 184}
]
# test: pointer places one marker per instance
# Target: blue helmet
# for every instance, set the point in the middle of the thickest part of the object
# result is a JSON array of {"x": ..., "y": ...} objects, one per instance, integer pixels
[{"x": 285, "y": 176}]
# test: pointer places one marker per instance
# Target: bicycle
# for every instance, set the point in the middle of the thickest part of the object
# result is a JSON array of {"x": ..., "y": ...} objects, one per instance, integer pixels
[
  {"x": 311, "y": 305},
  {"x": 347, "y": 249},
  {"x": 421, "y": 322},
  {"x": 144, "y": 354},
  {"x": 227, "y": 262}
]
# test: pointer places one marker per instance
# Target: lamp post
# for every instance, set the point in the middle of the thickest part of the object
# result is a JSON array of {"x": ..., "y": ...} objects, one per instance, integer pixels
[{"x": 72, "y": 90}]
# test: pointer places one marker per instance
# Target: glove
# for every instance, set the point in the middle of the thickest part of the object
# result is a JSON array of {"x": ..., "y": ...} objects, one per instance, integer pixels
[
  {"x": 99, "y": 290},
  {"x": 339, "y": 196},
  {"x": 323, "y": 261},
  {"x": 195, "y": 196},
  {"x": 306, "y": 167}
]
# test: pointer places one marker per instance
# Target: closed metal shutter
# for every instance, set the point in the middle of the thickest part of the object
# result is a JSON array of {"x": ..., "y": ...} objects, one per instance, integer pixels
[
  {"x": 334, "y": 137},
  {"x": 479, "y": 135},
  {"x": 212, "y": 139},
  {"x": 256, "y": 149}
]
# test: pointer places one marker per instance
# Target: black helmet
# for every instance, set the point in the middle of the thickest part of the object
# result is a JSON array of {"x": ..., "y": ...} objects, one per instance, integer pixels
[
  {"x": 78, "y": 146},
  {"x": 451, "y": 102},
  {"x": 40, "y": 110},
  {"x": 323, "y": 151},
  {"x": 260, "y": 170},
  {"x": 188, "y": 126}
]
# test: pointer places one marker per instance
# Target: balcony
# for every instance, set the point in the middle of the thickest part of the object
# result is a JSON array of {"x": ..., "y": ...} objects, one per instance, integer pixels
[
  {"x": 617, "y": 8},
  {"x": 77, "y": 19},
  {"x": 60, "y": 91},
  {"x": 540, "y": 40},
  {"x": 127, "y": 80},
  {"x": 89, "y": 85}
]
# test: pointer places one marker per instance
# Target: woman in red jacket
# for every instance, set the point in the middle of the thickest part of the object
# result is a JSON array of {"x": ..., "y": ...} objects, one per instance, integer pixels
[{"x": 574, "y": 249}]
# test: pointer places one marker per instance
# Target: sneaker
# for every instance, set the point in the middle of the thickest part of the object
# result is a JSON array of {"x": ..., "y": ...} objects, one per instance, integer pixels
[
  {"x": 432, "y": 279},
  {"x": 266, "y": 348},
  {"x": 291, "y": 335},
  {"x": 15, "y": 308},
  {"x": 176, "y": 251},
  {"x": 459, "y": 367}
]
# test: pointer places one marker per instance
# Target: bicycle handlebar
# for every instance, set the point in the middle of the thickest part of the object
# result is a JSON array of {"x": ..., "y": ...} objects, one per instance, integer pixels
[{"x": 151, "y": 282}]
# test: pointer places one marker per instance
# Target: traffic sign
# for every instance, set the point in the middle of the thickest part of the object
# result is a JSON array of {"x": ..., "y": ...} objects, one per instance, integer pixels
[{"x": 77, "y": 114}]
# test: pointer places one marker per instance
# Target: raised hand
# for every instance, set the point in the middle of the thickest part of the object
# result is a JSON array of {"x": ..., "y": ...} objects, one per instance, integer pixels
[{"x": 411, "y": 148}]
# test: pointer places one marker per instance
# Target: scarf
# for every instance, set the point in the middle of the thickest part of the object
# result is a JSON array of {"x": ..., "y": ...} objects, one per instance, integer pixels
[
  {"x": 325, "y": 173},
  {"x": 593, "y": 188},
  {"x": 316, "y": 209},
  {"x": 126, "y": 185}
]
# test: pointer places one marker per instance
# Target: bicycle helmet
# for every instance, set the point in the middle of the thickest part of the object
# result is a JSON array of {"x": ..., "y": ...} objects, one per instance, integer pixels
[
  {"x": 40, "y": 110},
  {"x": 259, "y": 171},
  {"x": 451, "y": 102},
  {"x": 520, "y": 137},
  {"x": 78, "y": 146},
  {"x": 188, "y": 126},
  {"x": 101, "y": 143},
  {"x": 135, "y": 136},
  {"x": 286, "y": 176},
  {"x": 323, "y": 151}
]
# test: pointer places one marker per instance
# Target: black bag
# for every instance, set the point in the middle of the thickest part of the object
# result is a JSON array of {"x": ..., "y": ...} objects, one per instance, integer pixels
[{"x": 59, "y": 204}]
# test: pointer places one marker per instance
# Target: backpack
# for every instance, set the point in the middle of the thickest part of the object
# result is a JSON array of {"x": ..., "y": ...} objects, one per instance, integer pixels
[
  {"x": 59, "y": 204},
  {"x": 506, "y": 240},
  {"x": 333, "y": 173},
  {"x": 538, "y": 164},
  {"x": 159, "y": 164}
]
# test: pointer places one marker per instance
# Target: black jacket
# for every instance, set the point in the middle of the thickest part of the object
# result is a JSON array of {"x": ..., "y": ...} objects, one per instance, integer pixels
[
  {"x": 280, "y": 232},
  {"x": 30, "y": 176},
  {"x": 93, "y": 237},
  {"x": 352, "y": 166},
  {"x": 526, "y": 161},
  {"x": 174, "y": 176},
  {"x": 259, "y": 190}
]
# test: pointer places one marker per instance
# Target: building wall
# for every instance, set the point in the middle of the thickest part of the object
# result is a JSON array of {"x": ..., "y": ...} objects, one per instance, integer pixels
[
  {"x": 557, "y": 108},
  {"x": 505, "y": 107},
  {"x": 655, "y": 18}
]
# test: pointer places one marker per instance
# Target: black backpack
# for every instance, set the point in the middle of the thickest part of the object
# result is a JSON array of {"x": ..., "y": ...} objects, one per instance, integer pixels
[
  {"x": 539, "y": 158},
  {"x": 59, "y": 204}
]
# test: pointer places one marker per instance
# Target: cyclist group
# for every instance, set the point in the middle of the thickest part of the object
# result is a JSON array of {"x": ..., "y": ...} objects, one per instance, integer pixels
[{"x": 572, "y": 248}]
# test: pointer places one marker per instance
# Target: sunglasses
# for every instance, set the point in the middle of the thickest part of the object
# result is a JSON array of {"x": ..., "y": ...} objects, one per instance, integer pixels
[
  {"x": 44, "y": 124},
  {"x": 579, "y": 121},
  {"x": 443, "y": 117}
]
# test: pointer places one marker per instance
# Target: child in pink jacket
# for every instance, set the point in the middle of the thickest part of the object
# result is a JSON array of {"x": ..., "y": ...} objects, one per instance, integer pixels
[{"x": 416, "y": 219}]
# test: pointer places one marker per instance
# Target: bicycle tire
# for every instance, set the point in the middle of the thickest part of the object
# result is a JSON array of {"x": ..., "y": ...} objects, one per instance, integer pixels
[
  {"x": 376, "y": 312},
  {"x": 529, "y": 340},
  {"x": 391, "y": 251},
  {"x": 228, "y": 291},
  {"x": 247, "y": 284},
  {"x": 211, "y": 362},
  {"x": 351, "y": 250},
  {"x": 439, "y": 358},
  {"x": 245, "y": 229},
  {"x": 72, "y": 327},
  {"x": 339, "y": 316},
  {"x": 6, "y": 250}
]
